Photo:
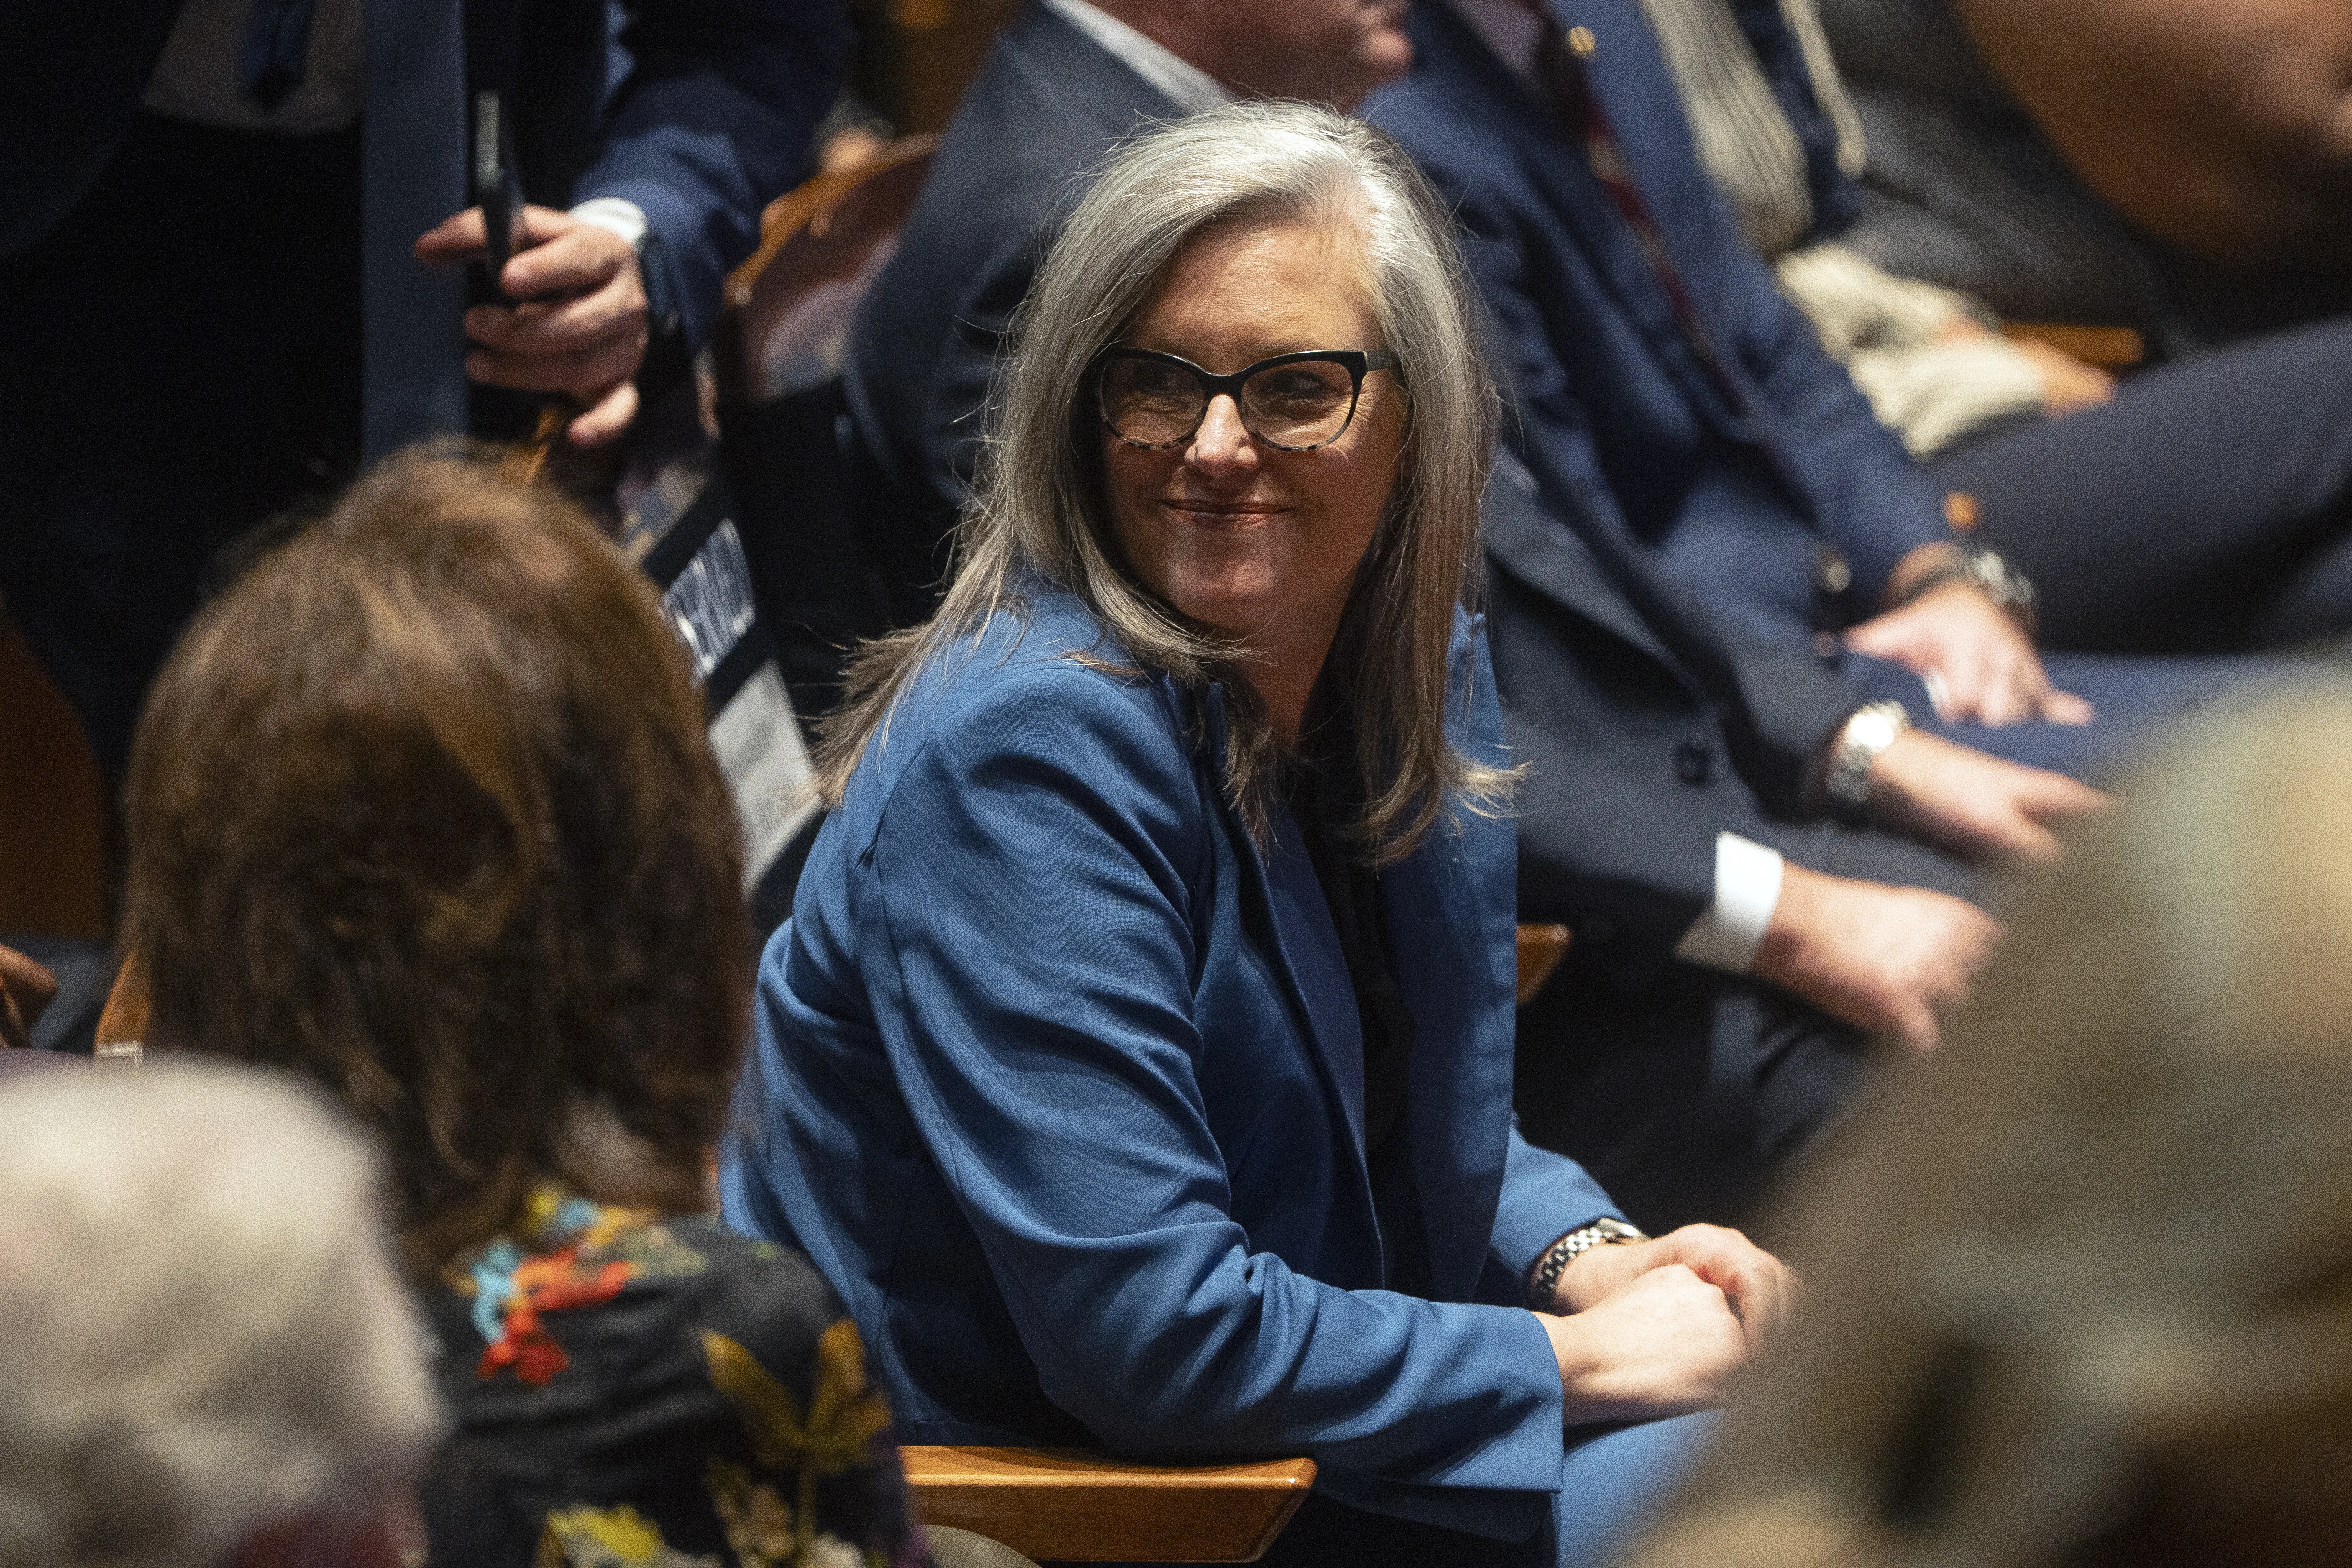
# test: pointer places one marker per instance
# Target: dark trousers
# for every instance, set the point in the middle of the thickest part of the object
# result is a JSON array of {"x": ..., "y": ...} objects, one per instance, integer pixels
[
  {"x": 182, "y": 361},
  {"x": 1687, "y": 1097},
  {"x": 2139, "y": 697},
  {"x": 2207, "y": 509}
]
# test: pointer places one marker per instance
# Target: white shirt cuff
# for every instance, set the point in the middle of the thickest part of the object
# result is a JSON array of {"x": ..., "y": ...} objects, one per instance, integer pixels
[
  {"x": 1747, "y": 887},
  {"x": 619, "y": 213}
]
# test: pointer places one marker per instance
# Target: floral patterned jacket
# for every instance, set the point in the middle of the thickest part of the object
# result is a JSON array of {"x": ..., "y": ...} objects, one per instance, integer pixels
[{"x": 637, "y": 1391}]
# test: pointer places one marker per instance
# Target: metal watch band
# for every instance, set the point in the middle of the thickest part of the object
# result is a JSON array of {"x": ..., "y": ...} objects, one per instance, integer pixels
[
  {"x": 2004, "y": 585},
  {"x": 1867, "y": 731},
  {"x": 1988, "y": 572},
  {"x": 1554, "y": 1263}
]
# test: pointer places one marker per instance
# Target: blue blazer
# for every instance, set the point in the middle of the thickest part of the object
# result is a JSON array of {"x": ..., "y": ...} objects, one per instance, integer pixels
[
  {"x": 700, "y": 111},
  {"x": 1060, "y": 1085},
  {"x": 1730, "y": 481}
]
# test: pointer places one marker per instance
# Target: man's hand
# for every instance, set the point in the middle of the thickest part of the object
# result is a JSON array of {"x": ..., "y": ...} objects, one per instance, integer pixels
[
  {"x": 1977, "y": 663},
  {"x": 2068, "y": 384},
  {"x": 581, "y": 328},
  {"x": 1879, "y": 957},
  {"x": 1973, "y": 803},
  {"x": 1759, "y": 1287},
  {"x": 1664, "y": 1343},
  {"x": 26, "y": 985}
]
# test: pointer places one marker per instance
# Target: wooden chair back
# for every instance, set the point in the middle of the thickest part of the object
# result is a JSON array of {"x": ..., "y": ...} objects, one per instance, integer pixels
[
  {"x": 785, "y": 316},
  {"x": 2110, "y": 348},
  {"x": 776, "y": 360},
  {"x": 122, "y": 1024},
  {"x": 1541, "y": 947},
  {"x": 1062, "y": 1505},
  {"x": 56, "y": 808}
]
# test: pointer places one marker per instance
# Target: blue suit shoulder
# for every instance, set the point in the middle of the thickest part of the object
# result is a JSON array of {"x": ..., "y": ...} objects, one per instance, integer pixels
[{"x": 1038, "y": 696}]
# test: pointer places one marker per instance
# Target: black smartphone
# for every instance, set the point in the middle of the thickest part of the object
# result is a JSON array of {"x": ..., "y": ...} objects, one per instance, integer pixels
[{"x": 498, "y": 186}]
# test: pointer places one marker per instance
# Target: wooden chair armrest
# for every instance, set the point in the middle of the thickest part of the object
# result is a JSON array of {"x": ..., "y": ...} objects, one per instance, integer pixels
[
  {"x": 122, "y": 1022},
  {"x": 2116, "y": 347},
  {"x": 1064, "y": 1504},
  {"x": 1540, "y": 949}
]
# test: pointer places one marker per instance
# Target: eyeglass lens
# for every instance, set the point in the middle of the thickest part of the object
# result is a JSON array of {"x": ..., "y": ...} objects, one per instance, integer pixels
[{"x": 1303, "y": 403}]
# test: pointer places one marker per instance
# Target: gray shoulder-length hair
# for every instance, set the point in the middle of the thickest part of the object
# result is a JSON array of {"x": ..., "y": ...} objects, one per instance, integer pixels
[{"x": 1040, "y": 510}]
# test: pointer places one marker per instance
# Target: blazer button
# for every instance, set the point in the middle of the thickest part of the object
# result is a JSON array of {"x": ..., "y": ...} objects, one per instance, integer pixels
[
  {"x": 1832, "y": 574},
  {"x": 1692, "y": 758}
]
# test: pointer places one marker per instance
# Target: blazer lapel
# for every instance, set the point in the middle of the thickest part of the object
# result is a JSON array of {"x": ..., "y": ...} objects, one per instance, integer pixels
[
  {"x": 1553, "y": 157},
  {"x": 1457, "y": 963},
  {"x": 1319, "y": 993},
  {"x": 1548, "y": 555}
]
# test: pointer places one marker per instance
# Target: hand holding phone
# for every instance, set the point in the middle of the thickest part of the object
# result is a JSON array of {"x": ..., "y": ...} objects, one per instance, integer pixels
[
  {"x": 577, "y": 328},
  {"x": 498, "y": 187}
]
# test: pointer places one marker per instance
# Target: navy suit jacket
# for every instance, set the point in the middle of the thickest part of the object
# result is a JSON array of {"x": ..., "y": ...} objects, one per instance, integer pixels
[
  {"x": 1048, "y": 104},
  {"x": 1645, "y": 731},
  {"x": 711, "y": 121},
  {"x": 1731, "y": 481},
  {"x": 1060, "y": 1084}
]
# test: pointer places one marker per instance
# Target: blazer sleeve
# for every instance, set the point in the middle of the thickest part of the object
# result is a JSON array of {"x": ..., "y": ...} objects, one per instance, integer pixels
[
  {"x": 712, "y": 122},
  {"x": 1027, "y": 935},
  {"x": 1545, "y": 1196},
  {"x": 1792, "y": 704},
  {"x": 1873, "y": 500}
]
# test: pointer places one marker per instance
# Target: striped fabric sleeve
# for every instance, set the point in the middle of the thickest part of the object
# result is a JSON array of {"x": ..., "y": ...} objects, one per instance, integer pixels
[{"x": 1910, "y": 349}]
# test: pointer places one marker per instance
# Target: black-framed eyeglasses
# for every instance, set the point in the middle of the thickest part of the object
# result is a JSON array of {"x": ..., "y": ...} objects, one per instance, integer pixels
[{"x": 1296, "y": 402}]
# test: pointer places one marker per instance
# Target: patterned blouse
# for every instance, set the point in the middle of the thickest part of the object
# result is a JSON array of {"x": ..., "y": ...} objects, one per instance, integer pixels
[{"x": 638, "y": 1391}]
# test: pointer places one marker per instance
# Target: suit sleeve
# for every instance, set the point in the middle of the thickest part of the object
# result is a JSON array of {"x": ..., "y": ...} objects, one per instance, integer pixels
[
  {"x": 1031, "y": 955},
  {"x": 1791, "y": 704},
  {"x": 1874, "y": 504},
  {"x": 713, "y": 122}
]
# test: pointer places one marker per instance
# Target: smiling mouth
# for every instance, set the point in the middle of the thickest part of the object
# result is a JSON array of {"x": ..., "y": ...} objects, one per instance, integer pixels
[{"x": 1222, "y": 514}]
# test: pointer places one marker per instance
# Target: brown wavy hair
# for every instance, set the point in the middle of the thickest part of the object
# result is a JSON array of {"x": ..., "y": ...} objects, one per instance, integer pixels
[{"x": 423, "y": 809}]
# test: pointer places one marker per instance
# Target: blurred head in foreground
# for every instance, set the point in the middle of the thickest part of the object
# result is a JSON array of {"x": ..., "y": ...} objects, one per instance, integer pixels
[
  {"x": 423, "y": 808},
  {"x": 209, "y": 1357},
  {"x": 2081, "y": 1284}
]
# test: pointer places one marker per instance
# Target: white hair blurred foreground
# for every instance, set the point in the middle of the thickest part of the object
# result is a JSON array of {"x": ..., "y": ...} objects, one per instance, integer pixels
[
  {"x": 2080, "y": 1282},
  {"x": 202, "y": 1340}
]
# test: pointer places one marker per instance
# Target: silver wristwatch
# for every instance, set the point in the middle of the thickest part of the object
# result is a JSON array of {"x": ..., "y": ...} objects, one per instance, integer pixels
[
  {"x": 1545, "y": 1278},
  {"x": 1990, "y": 572},
  {"x": 1867, "y": 731}
]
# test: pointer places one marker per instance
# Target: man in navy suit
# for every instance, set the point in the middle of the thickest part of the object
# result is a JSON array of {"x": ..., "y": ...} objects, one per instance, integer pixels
[
  {"x": 1063, "y": 83},
  {"x": 231, "y": 233},
  {"x": 1701, "y": 496},
  {"x": 1636, "y": 777}
]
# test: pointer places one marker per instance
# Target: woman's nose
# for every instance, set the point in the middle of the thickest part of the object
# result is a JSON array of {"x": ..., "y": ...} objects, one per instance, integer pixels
[{"x": 1221, "y": 444}]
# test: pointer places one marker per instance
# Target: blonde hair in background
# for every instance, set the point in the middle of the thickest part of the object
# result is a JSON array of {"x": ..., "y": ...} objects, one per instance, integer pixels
[
  {"x": 1039, "y": 508},
  {"x": 2081, "y": 1284},
  {"x": 202, "y": 1333}
]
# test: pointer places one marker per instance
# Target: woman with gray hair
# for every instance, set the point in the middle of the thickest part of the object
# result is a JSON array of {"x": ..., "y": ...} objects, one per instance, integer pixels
[
  {"x": 1138, "y": 1061},
  {"x": 208, "y": 1358}
]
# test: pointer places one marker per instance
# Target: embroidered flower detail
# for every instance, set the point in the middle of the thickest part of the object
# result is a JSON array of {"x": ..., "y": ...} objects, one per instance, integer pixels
[
  {"x": 845, "y": 1416},
  {"x": 547, "y": 1284},
  {"x": 596, "y": 1251},
  {"x": 609, "y": 1538},
  {"x": 759, "y": 1522},
  {"x": 831, "y": 1551}
]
